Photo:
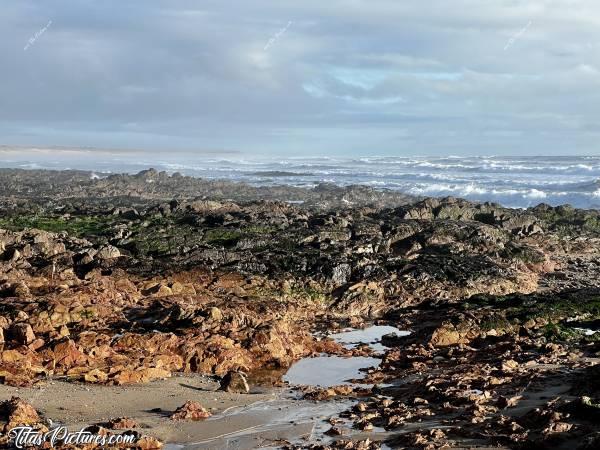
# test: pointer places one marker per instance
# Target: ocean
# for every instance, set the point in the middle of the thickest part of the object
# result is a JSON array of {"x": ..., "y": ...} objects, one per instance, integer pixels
[{"x": 516, "y": 182}]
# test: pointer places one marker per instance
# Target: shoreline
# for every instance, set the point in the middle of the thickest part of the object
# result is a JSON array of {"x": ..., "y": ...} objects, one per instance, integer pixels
[{"x": 513, "y": 182}]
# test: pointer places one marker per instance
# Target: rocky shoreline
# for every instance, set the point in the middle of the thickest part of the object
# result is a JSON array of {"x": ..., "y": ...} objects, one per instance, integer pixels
[{"x": 126, "y": 279}]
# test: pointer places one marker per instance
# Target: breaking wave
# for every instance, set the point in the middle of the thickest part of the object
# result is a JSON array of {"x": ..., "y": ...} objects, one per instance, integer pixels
[{"x": 512, "y": 181}]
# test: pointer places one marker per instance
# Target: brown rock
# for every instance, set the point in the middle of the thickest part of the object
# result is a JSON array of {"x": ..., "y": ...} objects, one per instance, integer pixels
[
  {"x": 509, "y": 402},
  {"x": 22, "y": 333},
  {"x": 235, "y": 382},
  {"x": 21, "y": 290},
  {"x": 509, "y": 365},
  {"x": 122, "y": 423},
  {"x": 37, "y": 344},
  {"x": 335, "y": 431},
  {"x": 66, "y": 354},
  {"x": 148, "y": 443},
  {"x": 361, "y": 406},
  {"x": 190, "y": 411},
  {"x": 143, "y": 375},
  {"x": 449, "y": 334},
  {"x": 95, "y": 376},
  {"x": 18, "y": 412},
  {"x": 334, "y": 391}
]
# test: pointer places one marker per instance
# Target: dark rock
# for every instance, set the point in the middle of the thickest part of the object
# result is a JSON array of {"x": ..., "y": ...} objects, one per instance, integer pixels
[
  {"x": 22, "y": 333},
  {"x": 235, "y": 382}
]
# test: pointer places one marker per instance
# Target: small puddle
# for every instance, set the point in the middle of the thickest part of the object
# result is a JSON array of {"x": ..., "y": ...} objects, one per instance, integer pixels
[
  {"x": 371, "y": 336},
  {"x": 326, "y": 371}
]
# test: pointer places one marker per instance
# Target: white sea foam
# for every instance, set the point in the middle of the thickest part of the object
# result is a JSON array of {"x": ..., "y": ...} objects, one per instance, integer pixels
[{"x": 512, "y": 181}]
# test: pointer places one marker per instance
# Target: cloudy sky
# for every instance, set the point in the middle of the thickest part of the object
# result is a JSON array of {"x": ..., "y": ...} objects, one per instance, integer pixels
[{"x": 314, "y": 77}]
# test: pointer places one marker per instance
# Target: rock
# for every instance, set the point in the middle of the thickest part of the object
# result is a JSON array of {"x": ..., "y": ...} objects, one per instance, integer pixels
[
  {"x": 142, "y": 375},
  {"x": 66, "y": 353},
  {"x": 341, "y": 274},
  {"x": 335, "y": 431},
  {"x": 558, "y": 427},
  {"x": 235, "y": 382},
  {"x": 22, "y": 333},
  {"x": 509, "y": 402},
  {"x": 449, "y": 334},
  {"x": 108, "y": 252},
  {"x": 215, "y": 314},
  {"x": 37, "y": 344},
  {"x": 127, "y": 213},
  {"x": 64, "y": 331},
  {"x": 95, "y": 376},
  {"x": 190, "y": 411},
  {"x": 21, "y": 290},
  {"x": 361, "y": 407},
  {"x": 16, "y": 255},
  {"x": 148, "y": 443},
  {"x": 85, "y": 258},
  {"x": 214, "y": 287},
  {"x": 509, "y": 365},
  {"x": 327, "y": 393},
  {"x": 17, "y": 412},
  {"x": 122, "y": 423},
  {"x": 365, "y": 426}
]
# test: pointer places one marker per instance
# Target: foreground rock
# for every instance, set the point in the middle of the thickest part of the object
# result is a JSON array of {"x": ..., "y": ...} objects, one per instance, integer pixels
[
  {"x": 190, "y": 411},
  {"x": 16, "y": 412},
  {"x": 235, "y": 382}
]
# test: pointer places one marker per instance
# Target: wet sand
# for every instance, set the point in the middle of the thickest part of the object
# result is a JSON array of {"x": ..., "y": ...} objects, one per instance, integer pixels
[
  {"x": 264, "y": 418},
  {"x": 78, "y": 405}
]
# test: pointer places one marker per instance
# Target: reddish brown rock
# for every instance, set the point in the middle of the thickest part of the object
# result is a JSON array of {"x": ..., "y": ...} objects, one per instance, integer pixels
[
  {"x": 122, "y": 423},
  {"x": 190, "y": 411},
  {"x": 142, "y": 375},
  {"x": 66, "y": 354},
  {"x": 16, "y": 412},
  {"x": 95, "y": 376},
  {"x": 148, "y": 443}
]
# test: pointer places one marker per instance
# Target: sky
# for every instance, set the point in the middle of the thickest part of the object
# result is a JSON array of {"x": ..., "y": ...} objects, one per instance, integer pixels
[{"x": 292, "y": 78}]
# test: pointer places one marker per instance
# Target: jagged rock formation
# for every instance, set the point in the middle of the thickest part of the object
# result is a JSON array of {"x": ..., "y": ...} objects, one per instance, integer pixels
[{"x": 131, "y": 278}]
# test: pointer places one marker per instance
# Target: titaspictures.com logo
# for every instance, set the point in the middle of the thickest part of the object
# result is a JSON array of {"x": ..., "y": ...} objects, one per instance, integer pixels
[{"x": 25, "y": 436}]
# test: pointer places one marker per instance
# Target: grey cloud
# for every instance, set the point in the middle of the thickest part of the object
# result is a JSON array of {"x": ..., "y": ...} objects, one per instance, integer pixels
[{"x": 381, "y": 76}]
